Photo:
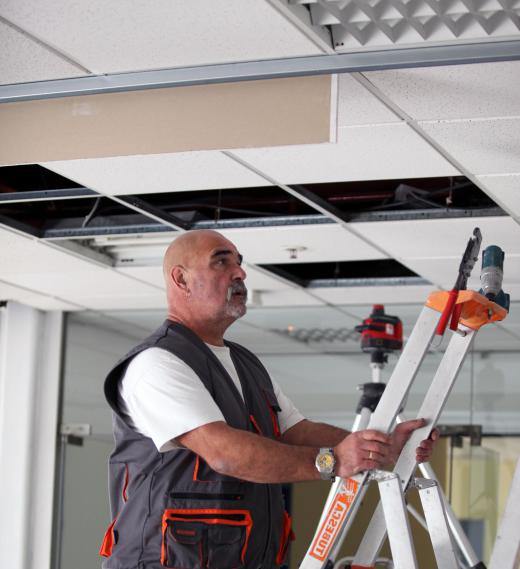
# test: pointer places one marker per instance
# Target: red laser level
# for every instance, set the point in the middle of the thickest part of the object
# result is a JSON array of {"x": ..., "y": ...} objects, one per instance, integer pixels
[{"x": 381, "y": 334}]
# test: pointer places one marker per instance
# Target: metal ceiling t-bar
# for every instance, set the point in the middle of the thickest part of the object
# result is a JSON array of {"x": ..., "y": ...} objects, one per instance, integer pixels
[{"x": 427, "y": 56}]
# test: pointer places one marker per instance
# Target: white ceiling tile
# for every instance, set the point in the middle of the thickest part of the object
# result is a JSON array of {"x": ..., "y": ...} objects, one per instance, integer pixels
[
  {"x": 514, "y": 292},
  {"x": 505, "y": 191},
  {"x": 483, "y": 146},
  {"x": 362, "y": 153},
  {"x": 153, "y": 173},
  {"x": 81, "y": 282},
  {"x": 290, "y": 297},
  {"x": 440, "y": 237},
  {"x": 443, "y": 271},
  {"x": 263, "y": 341},
  {"x": 357, "y": 106},
  {"x": 324, "y": 242},
  {"x": 258, "y": 281},
  {"x": 125, "y": 302},
  {"x": 24, "y": 59},
  {"x": 454, "y": 92},
  {"x": 39, "y": 267},
  {"x": 152, "y": 274},
  {"x": 312, "y": 317},
  {"x": 124, "y": 35},
  {"x": 30, "y": 298},
  {"x": 376, "y": 294},
  {"x": 17, "y": 248},
  {"x": 493, "y": 338}
]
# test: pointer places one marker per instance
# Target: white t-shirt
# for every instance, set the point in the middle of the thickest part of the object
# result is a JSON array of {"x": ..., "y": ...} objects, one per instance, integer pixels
[{"x": 164, "y": 398}]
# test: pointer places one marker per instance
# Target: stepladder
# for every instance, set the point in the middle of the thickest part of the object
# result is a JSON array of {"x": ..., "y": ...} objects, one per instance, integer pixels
[{"x": 346, "y": 494}]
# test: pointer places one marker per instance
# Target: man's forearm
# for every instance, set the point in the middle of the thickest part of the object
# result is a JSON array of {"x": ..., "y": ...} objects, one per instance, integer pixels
[
  {"x": 309, "y": 433},
  {"x": 251, "y": 457}
]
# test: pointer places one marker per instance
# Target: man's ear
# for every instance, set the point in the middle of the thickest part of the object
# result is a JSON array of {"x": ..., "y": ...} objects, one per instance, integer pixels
[{"x": 178, "y": 277}]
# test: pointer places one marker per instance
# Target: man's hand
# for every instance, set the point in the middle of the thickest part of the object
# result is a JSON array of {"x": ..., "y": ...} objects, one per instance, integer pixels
[
  {"x": 402, "y": 433},
  {"x": 369, "y": 449},
  {"x": 363, "y": 450}
]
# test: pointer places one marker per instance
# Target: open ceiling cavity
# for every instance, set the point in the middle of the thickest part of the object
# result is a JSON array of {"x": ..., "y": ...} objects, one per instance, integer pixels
[
  {"x": 346, "y": 273},
  {"x": 42, "y": 203}
]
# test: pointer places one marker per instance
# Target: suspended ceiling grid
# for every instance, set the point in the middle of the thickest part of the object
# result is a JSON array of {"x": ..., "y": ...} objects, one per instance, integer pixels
[{"x": 390, "y": 124}]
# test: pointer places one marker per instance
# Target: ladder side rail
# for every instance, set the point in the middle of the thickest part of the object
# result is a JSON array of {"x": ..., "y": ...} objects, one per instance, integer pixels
[
  {"x": 382, "y": 419},
  {"x": 457, "y": 532},
  {"x": 405, "y": 371},
  {"x": 430, "y": 410},
  {"x": 437, "y": 521},
  {"x": 396, "y": 519},
  {"x": 360, "y": 423},
  {"x": 506, "y": 551}
]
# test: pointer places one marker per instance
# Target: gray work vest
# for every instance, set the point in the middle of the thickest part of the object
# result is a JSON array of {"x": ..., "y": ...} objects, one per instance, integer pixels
[{"x": 171, "y": 509}]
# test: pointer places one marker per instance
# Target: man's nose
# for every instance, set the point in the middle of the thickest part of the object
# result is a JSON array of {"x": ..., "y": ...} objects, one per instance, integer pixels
[{"x": 240, "y": 273}]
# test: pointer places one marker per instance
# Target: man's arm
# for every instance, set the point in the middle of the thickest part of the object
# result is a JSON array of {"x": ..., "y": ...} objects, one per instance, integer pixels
[
  {"x": 309, "y": 433},
  {"x": 245, "y": 455}
]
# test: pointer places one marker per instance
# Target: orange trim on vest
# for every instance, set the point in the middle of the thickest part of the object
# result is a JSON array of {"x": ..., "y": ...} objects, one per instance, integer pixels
[
  {"x": 125, "y": 485},
  {"x": 287, "y": 536},
  {"x": 196, "y": 469},
  {"x": 274, "y": 419},
  {"x": 255, "y": 425},
  {"x": 108, "y": 541}
]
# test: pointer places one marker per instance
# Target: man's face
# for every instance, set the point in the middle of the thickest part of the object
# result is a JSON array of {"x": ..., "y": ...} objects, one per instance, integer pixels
[{"x": 217, "y": 280}]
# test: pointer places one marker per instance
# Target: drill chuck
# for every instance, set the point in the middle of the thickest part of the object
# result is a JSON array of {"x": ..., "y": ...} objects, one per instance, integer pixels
[{"x": 492, "y": 271}]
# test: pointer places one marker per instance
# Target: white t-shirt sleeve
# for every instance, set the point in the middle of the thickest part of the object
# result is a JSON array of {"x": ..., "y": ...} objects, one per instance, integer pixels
[
  {"x": 289, "y": 414},
  {"x": 164, "y": 398}
]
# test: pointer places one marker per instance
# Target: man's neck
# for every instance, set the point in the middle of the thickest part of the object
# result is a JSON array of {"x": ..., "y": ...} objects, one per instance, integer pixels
[{"x": 207, "y": 332}]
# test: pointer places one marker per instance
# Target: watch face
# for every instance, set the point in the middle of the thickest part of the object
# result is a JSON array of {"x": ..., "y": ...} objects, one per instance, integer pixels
[{"x": 325, "y": 461}]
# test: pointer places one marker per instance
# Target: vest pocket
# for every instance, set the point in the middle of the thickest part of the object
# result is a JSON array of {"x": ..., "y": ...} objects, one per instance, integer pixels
[{"x": 205, "y": 538}]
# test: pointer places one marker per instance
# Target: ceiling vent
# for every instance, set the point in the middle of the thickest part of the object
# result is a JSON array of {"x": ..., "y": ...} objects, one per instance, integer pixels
[{"x": 373, "y": 24}]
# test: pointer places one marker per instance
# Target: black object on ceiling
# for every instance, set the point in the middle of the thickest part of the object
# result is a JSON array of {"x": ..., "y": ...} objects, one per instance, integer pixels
[
  {"x": 45, "y": 204},
  {"x": 73, "y": 216},
  {"x": 32, "y": 178},
  {"x": 304, "y": 274}
]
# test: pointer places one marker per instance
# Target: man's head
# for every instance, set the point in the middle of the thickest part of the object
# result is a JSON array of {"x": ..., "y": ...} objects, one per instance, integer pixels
[{"x": 204, "y": 280}]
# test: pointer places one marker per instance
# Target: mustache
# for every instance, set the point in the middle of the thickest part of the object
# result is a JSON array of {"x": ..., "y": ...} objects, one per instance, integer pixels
[{"x": 236, "y": 287}]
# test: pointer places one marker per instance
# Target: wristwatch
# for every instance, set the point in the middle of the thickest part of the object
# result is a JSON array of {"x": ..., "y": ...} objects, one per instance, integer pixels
[{"x": 325, "y": 462}]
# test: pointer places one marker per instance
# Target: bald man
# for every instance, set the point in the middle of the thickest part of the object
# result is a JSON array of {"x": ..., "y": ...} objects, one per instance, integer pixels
[{"x": 204, "y": 437}]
